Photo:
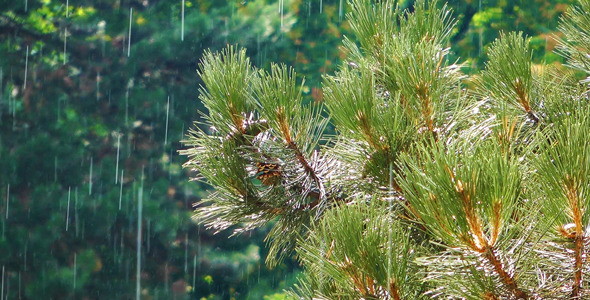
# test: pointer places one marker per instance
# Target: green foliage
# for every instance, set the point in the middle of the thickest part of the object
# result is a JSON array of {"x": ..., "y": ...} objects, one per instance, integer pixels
[
  {"x": 428, "y": 189},
  {"x": 468, "y": 187},
  {"x": 510, "y": 84},
  {"x": 257, "y": 147},
  {"x": 354, "y": 251},
  {"x": 575, "y": 48},
  {"x": 85, "y": 101},
  {"x": 562, "y": 166},
  {"x": 227, "y": 77}
]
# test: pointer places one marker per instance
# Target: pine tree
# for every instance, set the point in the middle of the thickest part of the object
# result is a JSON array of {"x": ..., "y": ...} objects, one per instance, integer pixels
[{"x": 434, "y": 185}]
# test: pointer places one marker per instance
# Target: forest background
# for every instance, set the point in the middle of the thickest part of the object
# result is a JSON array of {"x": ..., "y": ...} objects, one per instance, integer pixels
[{"x": 95, "y": 97}]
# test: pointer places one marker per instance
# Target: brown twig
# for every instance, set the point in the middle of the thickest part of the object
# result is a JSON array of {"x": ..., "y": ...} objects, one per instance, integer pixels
[
  {"x": 465, "y": 191},
  {"x": 425, "y": 105},
  {"x": 235, "y": 116},
  {"x": 286, "y": 132},
  {"x": 523, "y": 99},
  {"x": 578, "y": 252},
  {"x": 573, "y": 201},
  {"x": 508, "y": 280},
  {"x": 366, "y": 129},
  {"x": 394, "y": 290},
  {"x": 308, "y": 169},
  {"x": 490, "y": 296}
]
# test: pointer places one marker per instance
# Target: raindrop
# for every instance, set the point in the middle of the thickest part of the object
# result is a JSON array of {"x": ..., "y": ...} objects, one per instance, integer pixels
[
  {"x": 182, "y": 22},
  {"x": 121, "y": 188},
  {"x": 25, "y": 258},
  {"x": 186, "y": 253},
  {"x": 166, "y": 277},
  {"x": 139, "y": 211},
  {"x": 58, "y": 110},
  {"x": 67, "y": 8},
  {"x": 7, "y": 199},
  {"x": 97, "y": 86},
  {"x": 281, "y": 6},
  {"x": 226, "y": 32},
  {"x": 117, "y": 162},
  {"x": 1, "y": 90},
  {"x": 129, "y": 202},
  {"x": 26, "y": 5},
  {"x": 167, "y": 112},
  {"x": 115, "y": 248},
  {"x": 26, "y": 66},
  {"x": 19, "y": 286},
  {"x": 129, "y": 39},
  {"x": 90, "y": 181},
  {"x": 340, "y": 12},
  {"x": 7, "y": 286},
  {"x": 194, "y": 269},
  {"x": 170, "y": 166},
  {"x": 2, "y": 294},
  {"x": 258, "y": 53},
  {"x": 68, "y": 211},
  {"x": 127, "y": 267},
  {"x": 149, "y": 224},
  {"x": 75, "y": 262},
  {"x": 321, "y": 6},
  {"x": 480, "y": 32},
  {"x": 65, "y": 45},
  {"x": 101, "y": 32},
  {"x": 182, "y": 132},
  {"x": 121, "y": 246},
  {"x": 258, "y": 280},
  {"x": 55, "y": 163},
  {"x": 127, "y": 103},
  {"x": 13, "y": 113},
  {"x": 199, "y": 240},
  {"x": 76, "y": 222}
]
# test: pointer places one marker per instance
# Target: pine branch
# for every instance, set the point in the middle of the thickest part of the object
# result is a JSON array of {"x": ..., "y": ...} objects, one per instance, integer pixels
[
  {"x": 575, "y": 46},
  {"x": 510, "y": 85},
  {"x": 349, "y": 245},
  {"x": 563, "y": 168},
  {"x": 493, "y": 183},
  {"x": 260, "y": 132},
  {"x": 467, "y": 200},
  {"x": 578, "y": 254},
  {"x": 227, "y": 80},
  {"x": 506, "y": 278}
]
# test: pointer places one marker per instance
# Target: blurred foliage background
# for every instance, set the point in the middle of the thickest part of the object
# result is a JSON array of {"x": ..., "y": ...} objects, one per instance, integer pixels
[{"x": 95, "y": 97}]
